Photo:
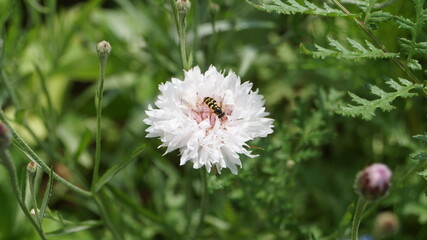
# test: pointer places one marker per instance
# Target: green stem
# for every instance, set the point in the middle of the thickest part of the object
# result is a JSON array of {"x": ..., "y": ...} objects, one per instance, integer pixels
[
  {"x": 213, "y": 42},
  {"x": 379, "y": 44},
  {"x": 369, "y": 9},
  {"x": 203, "y": 204},
  {"x": 419, "y": 166},
  {"x": 31, "y": 182},
  {"x": 6, "y": 160},
  {"x": 182, "y": 41},
  {"x": 10, "y": 89},
  {"x": 360, "y": 207},
  {"x": 23, "y": 146},
  {"x": 105, "y": 215},
  {"x": 180, "y": 24},
  {"x": 98, "y": 105},
  {"x": 15, "y": 99}
]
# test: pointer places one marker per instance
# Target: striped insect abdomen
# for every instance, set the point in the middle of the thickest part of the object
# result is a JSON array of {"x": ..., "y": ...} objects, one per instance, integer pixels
[{"x": 212, "y": 105}]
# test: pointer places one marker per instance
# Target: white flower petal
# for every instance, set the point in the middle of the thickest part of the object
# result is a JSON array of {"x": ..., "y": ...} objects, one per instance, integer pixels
[{"x": 183, "y": 121}]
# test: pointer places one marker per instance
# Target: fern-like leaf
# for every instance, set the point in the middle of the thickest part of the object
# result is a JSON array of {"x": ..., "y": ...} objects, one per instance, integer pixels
[
  {"x": 416, "y": 48},
  {"x": 414, "y": 64},
  {"x": 376, "y": 18},
  {"x": 366, "y": 108},
  {"x": 415, "y": 27},
  {"x": 406, "y": 24},
  {"x": 357, "y": 52},
  {"x": 289, "y": 7}
]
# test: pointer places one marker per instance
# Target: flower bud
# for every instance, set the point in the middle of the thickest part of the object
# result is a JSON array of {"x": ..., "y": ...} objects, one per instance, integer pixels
[
  {"x": 183, "y": 6},
  {"x": 386, "y": 224},
  {"x": 373, "y": 182},
  {"x": 5, "y": 137},
  {"x": 213, "y": 8},
  {"x": 290, "y": 163},
  {"x": 103, "y": 49},
  {"x": 32, "y": 167}
]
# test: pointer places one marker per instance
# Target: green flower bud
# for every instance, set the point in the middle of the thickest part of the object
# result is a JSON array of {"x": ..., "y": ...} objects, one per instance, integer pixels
[
  {"x": 183, "y": 6},
  {"x": 32, "y": 167},
  {"x": 103, "y": 49}
]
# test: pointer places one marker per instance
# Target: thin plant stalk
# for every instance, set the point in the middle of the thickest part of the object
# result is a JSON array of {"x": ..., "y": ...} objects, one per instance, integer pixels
[
  {"x": 23, "y": 146},
  {"x": 106, "y": 217},
  {"x": 203, "y": 204},
  {"x": 214, "y": 37},
  {"x": 418, "y": 167},
  {"x": 103, "y": 50},
  {"x": 180, "y": 23},
  {"x": 182, "y": 42},
  {"x": 358, "y": 213},
  {"x": 15, "y": 99},
  {"x": 371, "y": 4},
  {"x": 9, "y": 88},
  {"x": 31, "y": 182},
  {"x": 7, "y": 161},
  {"x": 378, "y": 43},
  {"x": 98, "y": 105}
]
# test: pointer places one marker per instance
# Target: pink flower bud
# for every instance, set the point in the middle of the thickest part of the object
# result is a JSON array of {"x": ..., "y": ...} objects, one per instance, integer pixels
[
  {"x": 373, "y": 182},
  {"x": 5, "y": 137}
]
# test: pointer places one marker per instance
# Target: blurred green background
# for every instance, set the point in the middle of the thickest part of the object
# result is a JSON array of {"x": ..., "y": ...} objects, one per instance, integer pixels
[{"x": 300, "y": 187}]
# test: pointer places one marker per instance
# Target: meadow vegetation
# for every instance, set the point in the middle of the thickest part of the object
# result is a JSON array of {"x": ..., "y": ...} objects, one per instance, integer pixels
[{"x": 342, "y": 79}]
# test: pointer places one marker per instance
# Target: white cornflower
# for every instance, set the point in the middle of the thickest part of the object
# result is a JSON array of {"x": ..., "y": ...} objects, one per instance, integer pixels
[{"x": 203, "y": 134}]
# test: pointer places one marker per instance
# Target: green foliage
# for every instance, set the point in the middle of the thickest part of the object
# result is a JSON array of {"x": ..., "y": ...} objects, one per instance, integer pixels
[
  {"x": 413, "y": 46},
  {"x": 366, "y": 108},
  {"x": 341, "y": 52},
  {"x": 376, "y": 18},
  {"x": 305, "y": 169},
  {"x": 294, "y": 7},
  {"x": 117, "y": 168}
]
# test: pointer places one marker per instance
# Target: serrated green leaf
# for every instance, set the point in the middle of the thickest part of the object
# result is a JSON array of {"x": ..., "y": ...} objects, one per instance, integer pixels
[
  {"x": 420, "y": 156},
  {"x": 338, "y": 46},
  {"x": 395, "y": 85},
  {"x": 421, "y": 137},
  {"x": 116, "y": 168},
  {"x": 416, "y": 48},
  {"x": 414, "y": 64},
  {"x": 380, "y": 16},
  {"x": 377, "y": 91},
  {"x": 366, "y": 108},
  {"x": 376, "y": 18},
  {"x": 357, "y": 99},
  {"x": 405, "y": 23},
  {"x": 416, "y": 26},
  {"x": 341, "y": 52},
  {"x": 423, "y": 174},
  {"x": 289, "y": 7},
  {"x": 357, "y": 45},
  {"x": 404, "y": 82}
]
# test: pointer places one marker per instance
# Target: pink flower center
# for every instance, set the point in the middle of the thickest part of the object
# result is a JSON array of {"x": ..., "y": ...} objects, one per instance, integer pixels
[{"x": 202, "y": 111}]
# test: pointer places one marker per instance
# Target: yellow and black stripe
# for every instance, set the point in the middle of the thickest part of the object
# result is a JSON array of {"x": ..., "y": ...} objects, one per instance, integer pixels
[{"x": 212, "y": 105}]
